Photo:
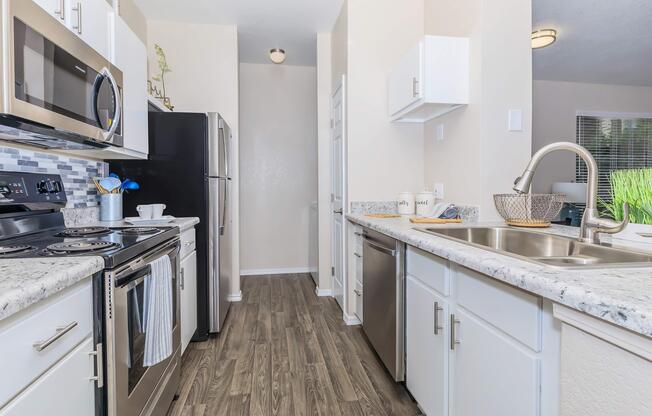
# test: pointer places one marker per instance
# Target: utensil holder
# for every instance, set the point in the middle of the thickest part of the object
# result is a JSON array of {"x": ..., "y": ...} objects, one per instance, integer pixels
[{"x": 110, "y": 207}]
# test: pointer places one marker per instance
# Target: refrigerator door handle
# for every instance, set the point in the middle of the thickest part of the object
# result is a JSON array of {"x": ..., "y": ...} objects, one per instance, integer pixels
[
  {"x": 224, "y": 207},
  {"x": 225, "y": 153}
]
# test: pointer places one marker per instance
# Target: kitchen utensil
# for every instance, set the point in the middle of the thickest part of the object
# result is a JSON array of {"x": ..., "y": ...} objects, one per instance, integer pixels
[
  {"x": 110, "y": 184},
  {"x": 157, "y": 210},
  {"x": 144, "y": 211},
  {"x": 129, "y": 185},
  {"x": 425, "y": 203},
  {"x": 382, "y": 215},
  {"x": 529, "y": 210},
  {"x": 406, "y": 203},
  {"x": 99, "y": 187},
  {"x": 114, "y": 175},
  {"x": 430, "y": 220}
]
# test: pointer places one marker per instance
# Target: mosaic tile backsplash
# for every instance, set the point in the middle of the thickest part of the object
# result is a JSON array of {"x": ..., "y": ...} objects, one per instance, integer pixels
[{"x": 76, "y": 173}]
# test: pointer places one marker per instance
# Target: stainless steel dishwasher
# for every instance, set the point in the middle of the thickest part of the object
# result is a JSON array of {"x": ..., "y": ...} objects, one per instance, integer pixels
[{"x": 383, "y": 282}]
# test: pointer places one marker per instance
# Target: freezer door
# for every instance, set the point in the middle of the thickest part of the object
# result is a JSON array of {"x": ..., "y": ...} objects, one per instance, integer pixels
[
  {"x": 218, "y": 146},
  {"x": 219, "y": 263}
]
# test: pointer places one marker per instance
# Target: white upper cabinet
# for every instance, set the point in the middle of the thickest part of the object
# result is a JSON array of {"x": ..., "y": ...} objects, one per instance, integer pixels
[
  {"x": 130, "y": 56},
  {"x": 432, "y": 79},
  {"x": 90, "y": 20}
]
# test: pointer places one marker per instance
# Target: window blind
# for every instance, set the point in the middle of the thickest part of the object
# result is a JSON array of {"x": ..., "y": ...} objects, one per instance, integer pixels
[{"x": 615, "y": 143}]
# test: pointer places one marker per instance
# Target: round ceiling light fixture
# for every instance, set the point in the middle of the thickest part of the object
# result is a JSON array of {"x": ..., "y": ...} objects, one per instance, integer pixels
[
  {"x": 544, "y": 37},
  {"x": 277, "y": 55}
]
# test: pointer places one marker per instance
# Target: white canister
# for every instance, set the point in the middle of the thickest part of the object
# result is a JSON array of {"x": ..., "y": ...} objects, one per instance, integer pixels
[
  {"x": 406, "y": 203},
  {"x": 425, "y": 202}
]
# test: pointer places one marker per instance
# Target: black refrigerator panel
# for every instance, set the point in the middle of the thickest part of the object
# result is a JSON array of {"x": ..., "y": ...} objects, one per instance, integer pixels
[{"x": 174, "y": 175}]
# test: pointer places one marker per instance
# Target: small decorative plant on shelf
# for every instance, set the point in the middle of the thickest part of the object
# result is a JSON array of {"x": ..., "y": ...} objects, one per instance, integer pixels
[
  {"x": 632, "y": 186},
  {"x": 163, "y": 69}
]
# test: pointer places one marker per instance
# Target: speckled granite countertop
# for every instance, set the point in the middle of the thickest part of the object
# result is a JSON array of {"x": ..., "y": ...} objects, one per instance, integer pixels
[
  {"x": 24, "y": 282},
  {"x": 620, "y": 296}
]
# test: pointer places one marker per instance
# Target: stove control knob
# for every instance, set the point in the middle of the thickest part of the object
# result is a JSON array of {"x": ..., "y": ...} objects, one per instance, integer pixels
[
  {"x": 5, "y": 191},
  {"x": 56, "y": 185},
  {"x": 42, "y": 187}
]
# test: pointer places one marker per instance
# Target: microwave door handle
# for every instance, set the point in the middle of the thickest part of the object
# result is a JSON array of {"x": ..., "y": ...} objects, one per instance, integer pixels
[{"x": 118, "y": 103}]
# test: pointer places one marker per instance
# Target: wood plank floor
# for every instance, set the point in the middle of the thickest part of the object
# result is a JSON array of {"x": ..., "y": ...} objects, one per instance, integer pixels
[{"x": 284, "y": 351}]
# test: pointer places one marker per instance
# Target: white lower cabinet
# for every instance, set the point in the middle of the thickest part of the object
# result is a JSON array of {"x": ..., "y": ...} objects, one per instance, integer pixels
[
  {"x": 65, "y": 389},
  {"x": 188, "y": 299},
  {"x": 427, "y": 347},
  {"x": 491, "y": 374},
  {"x": 494, "y": 352}
]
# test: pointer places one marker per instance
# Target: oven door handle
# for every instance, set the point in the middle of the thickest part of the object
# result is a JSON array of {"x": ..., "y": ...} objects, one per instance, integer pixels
[{"x": 171, "y": 249}]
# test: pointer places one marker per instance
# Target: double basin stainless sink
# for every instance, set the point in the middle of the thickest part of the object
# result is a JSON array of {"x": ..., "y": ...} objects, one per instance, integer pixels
[{"x": 542, "y": 248}]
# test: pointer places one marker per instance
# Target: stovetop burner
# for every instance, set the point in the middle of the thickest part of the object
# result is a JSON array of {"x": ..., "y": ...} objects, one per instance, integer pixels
[
  {"x": 84, "y": 232},
  {"x": 138, "y": 230},
  {"x": 81, "y": 246},
  {"x": 13, "y": 249}
]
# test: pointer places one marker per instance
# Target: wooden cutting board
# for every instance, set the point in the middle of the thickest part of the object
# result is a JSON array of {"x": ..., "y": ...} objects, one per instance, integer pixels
[
  {"x": 382, "y": 215},
  {"x": 426, "y": 220}
]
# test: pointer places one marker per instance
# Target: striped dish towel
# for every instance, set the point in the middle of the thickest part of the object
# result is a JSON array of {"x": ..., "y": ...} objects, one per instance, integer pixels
[{"x": 157, "y": 311}]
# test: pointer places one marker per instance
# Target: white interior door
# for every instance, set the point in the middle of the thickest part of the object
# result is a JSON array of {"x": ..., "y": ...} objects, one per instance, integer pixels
[{"x": 338, "y": 196}]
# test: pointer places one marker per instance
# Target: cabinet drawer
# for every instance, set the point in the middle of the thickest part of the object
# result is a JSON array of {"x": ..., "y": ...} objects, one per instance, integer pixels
[
  {"x": 44, "y": 397},
  {"x": 20, "y": 357},
  {"x": 509, "y": 309},
  {"x": 358, "y": 299},
  {"x": 432, "y": 270},
  {"x": 187, "y": 242}
]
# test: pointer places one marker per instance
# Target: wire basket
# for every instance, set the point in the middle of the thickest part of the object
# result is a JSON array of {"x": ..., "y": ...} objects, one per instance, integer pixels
[{"x": 529, "y": 210}]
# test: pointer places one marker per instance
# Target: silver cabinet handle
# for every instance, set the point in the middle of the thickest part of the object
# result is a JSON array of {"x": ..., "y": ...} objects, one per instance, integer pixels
[
  {"x": 357, "y": 292},
  {"x": 62, "y": 10},
  {"x": 337, "y": 211},
  {"x": 359, "y": 234},
  {"x": 78, "y": 9},
  {"x": 60, "y": 331},
  {"x": 415, "y": 87},
  {"x": 99, "y": 367},
  {"x": 436, "y": 311},
  {"x": 454, "y": 340},
  {"x": 357, "y": 255},
  {"x": 183, "y": 279}
]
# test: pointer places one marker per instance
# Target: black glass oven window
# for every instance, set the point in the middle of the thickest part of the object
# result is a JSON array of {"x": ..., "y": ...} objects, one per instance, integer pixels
[{"x": 51, "y": 78}]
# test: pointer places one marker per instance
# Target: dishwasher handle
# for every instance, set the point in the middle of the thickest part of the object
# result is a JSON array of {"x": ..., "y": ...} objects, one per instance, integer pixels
[{"x": 380, "y": 248}]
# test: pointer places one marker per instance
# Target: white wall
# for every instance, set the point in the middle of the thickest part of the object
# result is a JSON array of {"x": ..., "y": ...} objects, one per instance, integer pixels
[
  {"x": 555, "y": 108},
  {"x": 204, "y": 78},
  {"x": 324, "y": 80},
  {"x": 278, "y": 167},
  {"x": 478, "y": 156},
  {"x": 384, "y": 158}
]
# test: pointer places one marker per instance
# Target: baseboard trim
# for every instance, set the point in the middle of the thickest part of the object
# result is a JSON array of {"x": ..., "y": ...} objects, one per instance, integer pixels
[
  {"x": 323, "y": 292},
  {"x": 235, "y": 297},
  {"x": 351, "y": 320},
  {"x": 286, "y": 270}
]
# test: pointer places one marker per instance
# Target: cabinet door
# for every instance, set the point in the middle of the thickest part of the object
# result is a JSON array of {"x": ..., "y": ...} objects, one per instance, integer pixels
[
  {"x": 188, "y": 299},
  {"x": 491, "y": 374},
  {"x": 426, "y": 351},
  {"x": 405, "y": 85},
  {"x": 130, "y": 56},
  {"x": 70, "y": 375},
  {"x": 90, "y": 20},
  {"x": 56, "y": 8}
]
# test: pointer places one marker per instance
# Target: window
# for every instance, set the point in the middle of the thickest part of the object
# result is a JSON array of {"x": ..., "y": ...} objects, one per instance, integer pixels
[{"x": 616, "y": 142}]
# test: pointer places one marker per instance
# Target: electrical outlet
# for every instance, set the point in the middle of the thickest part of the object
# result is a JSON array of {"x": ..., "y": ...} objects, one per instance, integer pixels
[
  {"x": 515, "y": 120},
  {"x": 440, "y": 132},
  {"x": 438, "y": 190}
]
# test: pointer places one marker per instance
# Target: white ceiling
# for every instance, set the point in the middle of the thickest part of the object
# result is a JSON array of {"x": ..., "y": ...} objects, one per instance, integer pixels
[
  {"x": 598, "y": 41},
  {"x": 262, "y": 24}
]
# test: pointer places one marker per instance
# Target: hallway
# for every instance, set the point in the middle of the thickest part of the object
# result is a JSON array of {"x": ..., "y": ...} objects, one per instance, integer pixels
[{"x": 284, "y": 351}]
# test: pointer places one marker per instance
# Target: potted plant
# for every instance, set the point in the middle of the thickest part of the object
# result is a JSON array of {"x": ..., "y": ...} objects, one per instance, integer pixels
[{"x": 632, "y": 186}]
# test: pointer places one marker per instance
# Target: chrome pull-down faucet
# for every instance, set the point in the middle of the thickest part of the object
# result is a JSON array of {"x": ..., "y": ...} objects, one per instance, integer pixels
[{"x": 592, "y": 224}]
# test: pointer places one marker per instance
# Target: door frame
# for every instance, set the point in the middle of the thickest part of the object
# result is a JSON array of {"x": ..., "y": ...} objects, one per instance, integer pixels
[{"x": 344, "y": 261}]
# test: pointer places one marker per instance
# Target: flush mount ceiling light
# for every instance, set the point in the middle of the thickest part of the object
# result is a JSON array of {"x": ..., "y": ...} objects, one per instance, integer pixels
[
  {"x": 277, "y": 55},
  {"x": 544, "y": 37}
]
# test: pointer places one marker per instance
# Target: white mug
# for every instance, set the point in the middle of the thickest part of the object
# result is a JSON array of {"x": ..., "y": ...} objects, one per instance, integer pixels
[
  {"x": 425, "y": 202},
  {"x": 157, "y": 210},
  {"x": 144, "y": 212},
  {"x": 406, "y": 203}
]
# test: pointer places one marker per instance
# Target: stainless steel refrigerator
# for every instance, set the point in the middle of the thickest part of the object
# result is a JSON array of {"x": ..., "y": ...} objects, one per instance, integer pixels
[{"x": 188, "y": 169}]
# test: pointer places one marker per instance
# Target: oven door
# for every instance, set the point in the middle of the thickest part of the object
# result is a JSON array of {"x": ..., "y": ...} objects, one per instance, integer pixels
[
  {"x": 132, "y": 387},
  {"x": 56, "y": 80}
]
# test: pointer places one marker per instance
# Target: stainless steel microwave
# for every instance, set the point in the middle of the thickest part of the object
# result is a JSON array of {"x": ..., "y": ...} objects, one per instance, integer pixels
[{"x": 57, "y": 91}]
